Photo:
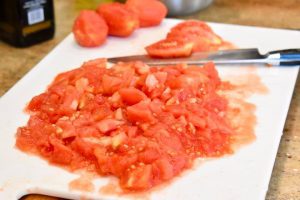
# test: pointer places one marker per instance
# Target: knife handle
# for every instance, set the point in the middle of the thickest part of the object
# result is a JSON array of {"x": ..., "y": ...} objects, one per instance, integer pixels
[{"x": 288, "y": 57}]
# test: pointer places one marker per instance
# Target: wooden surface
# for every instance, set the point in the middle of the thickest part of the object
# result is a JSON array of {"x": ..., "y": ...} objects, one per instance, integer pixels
[{"x": 285, "y": 181}]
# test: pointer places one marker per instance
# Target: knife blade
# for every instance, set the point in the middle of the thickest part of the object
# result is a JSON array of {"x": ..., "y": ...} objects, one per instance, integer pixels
[{"x": 285, "y": 57}]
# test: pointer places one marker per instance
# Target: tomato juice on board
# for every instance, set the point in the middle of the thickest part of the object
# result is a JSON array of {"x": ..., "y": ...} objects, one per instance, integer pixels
[
  {"x": 82, "y": 183},
  {"x": 144, "y": 125}
]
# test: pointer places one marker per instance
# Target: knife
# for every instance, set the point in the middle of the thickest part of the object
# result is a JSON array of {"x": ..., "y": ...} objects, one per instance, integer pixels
[{"x": 285, "y": 57}]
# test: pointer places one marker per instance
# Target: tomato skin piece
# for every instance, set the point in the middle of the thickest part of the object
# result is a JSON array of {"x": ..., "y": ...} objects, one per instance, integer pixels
[
  {"x": 170, "y": 48},
  {"x": 131, "y": 95},
  {"x": 90, "y": 29},
  {"x": 121, "y": 21},
  {"x": 150, "y": 12}
]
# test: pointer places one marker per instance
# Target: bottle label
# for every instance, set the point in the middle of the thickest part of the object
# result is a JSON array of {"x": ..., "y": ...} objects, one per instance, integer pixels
[
  {"x": 35, "y": 16},
  {"x": 34, "y": 11}
]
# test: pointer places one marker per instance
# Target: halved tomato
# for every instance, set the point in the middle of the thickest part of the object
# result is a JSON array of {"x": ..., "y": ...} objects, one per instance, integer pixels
[
  {"x": 90, "y": 29},
  {"x": 192, "y": 25},
  {"x": 170, "y": 48},
  {"x": 150, "y": 12},
  {"x": 198, "y": 32},
  {"x": 200, "y": 43},
  {"x": 121, "y": 20}
]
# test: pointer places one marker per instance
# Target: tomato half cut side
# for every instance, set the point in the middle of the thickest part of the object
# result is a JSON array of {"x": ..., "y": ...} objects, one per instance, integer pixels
[
  {"x": 192, "y": 24},
  {"x": 198, "y": 32},
  {"x": 169, "y": 48},
  {"x": 200, "y": 43},
  {"x": 121, "y": 20},
  {"x": 90, "y": 29}
]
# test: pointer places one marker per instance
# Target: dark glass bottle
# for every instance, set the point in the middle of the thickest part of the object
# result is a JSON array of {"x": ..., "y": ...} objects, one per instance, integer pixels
[{"x": 26, "y": 22}]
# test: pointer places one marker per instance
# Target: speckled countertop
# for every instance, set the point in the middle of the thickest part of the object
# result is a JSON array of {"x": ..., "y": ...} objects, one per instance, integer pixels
[{"x": 285, "y": 181}]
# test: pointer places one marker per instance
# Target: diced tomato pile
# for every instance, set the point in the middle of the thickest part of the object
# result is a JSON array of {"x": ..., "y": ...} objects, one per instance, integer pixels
[
  {"x": 142, "y": 124},
  {"x": 91, "y": 27}
]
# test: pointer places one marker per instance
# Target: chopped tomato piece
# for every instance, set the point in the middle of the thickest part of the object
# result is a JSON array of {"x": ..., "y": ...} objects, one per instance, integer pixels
[
  {"x": 110, "y": 84},
  {"x": 106, "y": 125},
  {"x": 150, "y": 12},
  {"x": 151, "y": 82},
  {"x": 90, "y": 29},
  {"x": 139, "y": 178},
  {"x": 149, "y": 155},
  {"x": 65, "y": 128},
  {"x": 131, "y": 95},
  {"x": 121, "y": 20},
  {"x": 196, "y": 120},
  {"x": 170, "y": 48},
  {"x": 161, "y": 77},
  {"x": 99, "y": 62},
  {"x": 156, "y": 106},
  {"x": 61, "y": 154},
  {"x": 165, "y": 168},
  {"x": 139, "y": 112}
]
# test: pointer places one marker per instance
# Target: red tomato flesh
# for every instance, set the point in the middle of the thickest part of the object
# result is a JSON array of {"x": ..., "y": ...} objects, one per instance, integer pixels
[
  {"x": 170, "y": 48},
  {"x": 121, "y": 20},
  {"x": 199, "y": 33},
  {"x": 92, "y": 118},
  {"x": 185, "y": 38}
]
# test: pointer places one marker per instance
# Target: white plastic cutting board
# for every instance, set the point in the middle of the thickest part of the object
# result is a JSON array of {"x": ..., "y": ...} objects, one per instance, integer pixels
[{"x": 244, "y": 175}]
